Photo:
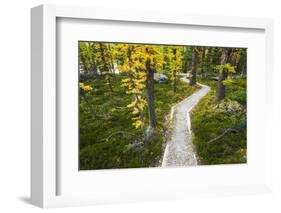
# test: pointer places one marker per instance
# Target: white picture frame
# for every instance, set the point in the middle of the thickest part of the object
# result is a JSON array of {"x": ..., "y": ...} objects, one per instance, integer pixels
[{"x": 44, "y": 155}]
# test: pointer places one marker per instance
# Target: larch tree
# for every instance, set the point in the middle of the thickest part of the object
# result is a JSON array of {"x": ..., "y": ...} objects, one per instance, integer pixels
[
  {"x": 175, "y": 58},
  {"x": 87, "y": 60},
  {"x": 238, "y": 59},
  {"x": 209, "y": 61},
  {"x": 242, "y": 64},
  {"x": 84, "y": 90},
  {"x": 104, "y": 62},
  {"x": 187, "y": 58},
  {"x": 153, "y": 62},
  {"x": 133, "y": 67},
  {"x": 111, "y": 50},
  {"x": 224, "y": 68},
  {"x": 222, "y": 75},
  {"x": 203, "y": 62},
  {"x": 194, "y": 63}
]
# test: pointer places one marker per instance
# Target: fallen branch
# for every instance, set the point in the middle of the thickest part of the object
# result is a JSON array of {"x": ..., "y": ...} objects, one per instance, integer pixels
[
  {"x": 231, "y": 129},
  {"x": 121, "y": 108},
  {"x": 103, "y": 117},
  {"x": 134, "y": 145},
  {"x": 119, "y": 132}
]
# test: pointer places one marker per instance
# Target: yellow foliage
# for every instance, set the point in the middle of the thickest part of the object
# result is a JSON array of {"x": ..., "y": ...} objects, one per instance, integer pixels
[
  {"x": 132, "y": 63},
  {"x": 85, "y": 88},
  {"x": 225, "y": 67},
  {"x": 138, "y": 124},
  {"x": 175, "y": 58},
  {"x": 135, "y": 111}
]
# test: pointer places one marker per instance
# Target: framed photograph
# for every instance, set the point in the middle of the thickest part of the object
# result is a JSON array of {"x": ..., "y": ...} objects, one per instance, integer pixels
[{"x": 129, "y": 106}]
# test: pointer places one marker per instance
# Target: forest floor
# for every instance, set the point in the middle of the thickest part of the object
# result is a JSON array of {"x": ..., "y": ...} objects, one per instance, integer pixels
[
  {"x": 211, "y": 122},
  {"x": 179, "y": 148},
  {"x": 98, "y": 150}
]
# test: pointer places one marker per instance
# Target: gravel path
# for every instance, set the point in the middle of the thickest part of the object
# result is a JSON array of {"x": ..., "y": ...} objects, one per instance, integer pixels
[{"x": 179, "y": 149}]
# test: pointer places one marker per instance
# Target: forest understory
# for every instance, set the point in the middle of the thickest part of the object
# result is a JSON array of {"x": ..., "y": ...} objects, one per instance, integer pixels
[
  {"x": 127, "y": 91},
  {"x": 220, "y": 130},
  {"x": 110, "y": 141}
]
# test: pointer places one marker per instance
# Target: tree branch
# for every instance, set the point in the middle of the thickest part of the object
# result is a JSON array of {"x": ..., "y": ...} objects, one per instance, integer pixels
[
  {"x": 119, "y": 132},
  {"x": 231, "y": 129}
]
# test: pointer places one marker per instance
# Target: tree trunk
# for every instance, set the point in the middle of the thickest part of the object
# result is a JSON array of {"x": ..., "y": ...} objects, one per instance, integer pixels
[
  {"x": 243, "y": 71},
  {"x": 175, "y": 72},
  {"x": 185, "y": 62},
  {"x": 111, "y": 61},
  {"x": 233, "y": 61},
  {"x": 95, "y": 70},
  {"x": 210, "y": 61},
  {"x": 242, "y": 65},
  {"x": 141, "y": 113},
  {"x": 105, "y": 67},
  {"x": 109, "y": 84},
  {"x": 84, "y": 66},
  {"x": 203, "y": 62},
  {"x": 88, "y": 104},
  {"x": 175, "y": 82},
  {"x": 193, "y": 67},
  {"x": 150, "y": 94},
  {"x": 222, "y": 76}
]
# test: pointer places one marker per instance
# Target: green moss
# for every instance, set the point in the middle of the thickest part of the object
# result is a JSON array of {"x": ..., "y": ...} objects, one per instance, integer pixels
[
  {"x": 209, "y": 120},
  {"x": 97, "y": 151}
]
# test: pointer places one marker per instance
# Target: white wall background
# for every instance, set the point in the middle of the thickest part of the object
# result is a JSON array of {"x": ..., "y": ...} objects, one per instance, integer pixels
[{"x": 15, "y": 104}]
